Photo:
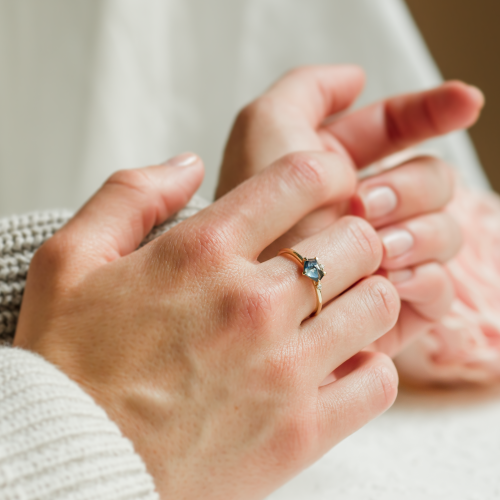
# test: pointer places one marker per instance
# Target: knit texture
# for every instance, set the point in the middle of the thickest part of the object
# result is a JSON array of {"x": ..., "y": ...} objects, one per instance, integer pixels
[
  {"x": 21, "y": 236},
  {"x": 56, "y": 443}
]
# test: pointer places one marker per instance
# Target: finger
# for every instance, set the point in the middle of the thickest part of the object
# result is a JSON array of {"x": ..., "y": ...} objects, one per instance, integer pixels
[
  {"x": 351, "y": 322},
  {"x": 366, "y": 387},
  {"x": 396, "y": 123},
  {"x": 349, "y": 250},
  {"x": 433, "y": 237},
  {"x": 417, "y": 187},
  {"x": 427, "y": 288},
  {"x": 317, "y": 92},
  {"x": 131, "y": 202},
  {"x": 289, "y": 113},
  {"x": 264, "y": 207},
  {"x": 410, "y": 325}
]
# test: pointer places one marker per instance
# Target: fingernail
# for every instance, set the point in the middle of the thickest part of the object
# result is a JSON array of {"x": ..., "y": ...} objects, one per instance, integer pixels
[
  {"x": 379, "y": 202},
  {"x": 397, "y": 242},
  {"x": 182, "y": 160},
  {"x": 400, "y": 275}
]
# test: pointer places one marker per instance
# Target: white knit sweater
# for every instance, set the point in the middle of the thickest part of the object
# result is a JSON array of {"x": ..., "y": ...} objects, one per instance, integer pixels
[{"x": 55, "y": 442}]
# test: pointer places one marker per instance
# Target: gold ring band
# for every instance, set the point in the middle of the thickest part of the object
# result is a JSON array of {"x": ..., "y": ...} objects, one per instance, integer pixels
[{"x": 312, "y": 269}]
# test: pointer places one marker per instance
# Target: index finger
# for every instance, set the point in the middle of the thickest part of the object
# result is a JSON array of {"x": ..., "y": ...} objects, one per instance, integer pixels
[
  {"x": 386, "y": 127},
  {"x": 259, "y": 211}
]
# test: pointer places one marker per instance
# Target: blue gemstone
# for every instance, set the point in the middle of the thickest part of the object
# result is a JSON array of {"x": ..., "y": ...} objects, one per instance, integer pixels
[{"x": 312, "y": 270}]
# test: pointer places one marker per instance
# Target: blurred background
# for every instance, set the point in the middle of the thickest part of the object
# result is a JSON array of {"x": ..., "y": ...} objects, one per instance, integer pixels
[
  {"x": 88, "y": 87},
  {"x": 464, "y": 39}
]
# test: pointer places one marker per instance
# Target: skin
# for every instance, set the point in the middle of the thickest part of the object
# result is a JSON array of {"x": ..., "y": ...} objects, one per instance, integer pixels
[
  {"x": 301, "y": 111},
  {"x": 206, "y": 358}
]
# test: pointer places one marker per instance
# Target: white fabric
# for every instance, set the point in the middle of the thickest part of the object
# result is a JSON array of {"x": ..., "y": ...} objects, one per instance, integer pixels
[
  {"x": 56, "y": 443},
  {"x": 87, "y": 88},
  {"x": 436, "y": 445}
]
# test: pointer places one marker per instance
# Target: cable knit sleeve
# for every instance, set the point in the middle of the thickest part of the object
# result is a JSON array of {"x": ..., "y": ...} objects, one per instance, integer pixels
[{"x": 56, "y": 443}]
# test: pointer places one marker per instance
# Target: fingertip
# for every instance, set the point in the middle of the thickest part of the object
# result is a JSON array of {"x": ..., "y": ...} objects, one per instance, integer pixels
[
  {"x": 477, "y": 95},
  {"x": 355, "y": 74},
  {"x": 190, "y": 167},
  {"x": 377, "y": 373},
  {"x": 386, "y": 377},
  {"x": 185, "y": 160},
  {"x": 458, "y": 105},
  {"x": 357, "y": 71}
]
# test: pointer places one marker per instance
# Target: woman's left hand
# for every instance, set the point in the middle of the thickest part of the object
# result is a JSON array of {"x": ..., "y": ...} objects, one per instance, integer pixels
[{"x": 405, "y": 204}]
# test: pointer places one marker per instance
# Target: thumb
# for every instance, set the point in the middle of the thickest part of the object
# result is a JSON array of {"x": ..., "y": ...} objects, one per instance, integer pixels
[
  {"x": 318, "y": 92},
  {"x": 285, "y": 119},
  {"x": 125, "y": 209}
]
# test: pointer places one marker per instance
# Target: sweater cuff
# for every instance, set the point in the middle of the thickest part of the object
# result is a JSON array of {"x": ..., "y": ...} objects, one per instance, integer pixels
[{"x": 56, "y": 443}]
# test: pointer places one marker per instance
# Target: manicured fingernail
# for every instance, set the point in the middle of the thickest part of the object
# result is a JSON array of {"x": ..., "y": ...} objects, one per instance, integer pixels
[
  {"x": 400, "y": 275},
  {"x": 182, "y": 160},
  {"x": 379, "y": 202},
  {"x": 397, "y": 242}
]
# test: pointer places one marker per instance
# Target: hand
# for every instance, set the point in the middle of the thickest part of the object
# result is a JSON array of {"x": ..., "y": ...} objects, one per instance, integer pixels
[
  {"x": 204, "y": 357},
  {"x": 296, "y": 114}
]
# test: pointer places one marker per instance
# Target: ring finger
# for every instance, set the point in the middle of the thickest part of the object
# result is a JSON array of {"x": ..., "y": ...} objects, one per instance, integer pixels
[{"x": 349, "y": 250}]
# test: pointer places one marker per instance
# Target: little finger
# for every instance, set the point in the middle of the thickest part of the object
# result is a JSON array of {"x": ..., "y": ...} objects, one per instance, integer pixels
[
  {"x": 350, "y": 323},
  {"x": 367, "y": 386}
]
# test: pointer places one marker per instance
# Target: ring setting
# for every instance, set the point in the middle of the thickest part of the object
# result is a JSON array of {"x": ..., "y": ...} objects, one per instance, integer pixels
[{"x": 312, "y": 269}]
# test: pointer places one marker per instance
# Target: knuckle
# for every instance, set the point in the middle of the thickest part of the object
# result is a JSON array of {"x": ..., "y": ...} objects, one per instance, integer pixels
[
  {"x": 382, "y": 300},
  {"x": 306, "y": 170},
  {"x": 247, "y": 114},
  {"x": 395, "y": 128},
  {"x": 364, "y": 240},
  {"x": 202, "y": 244},
  {"x": 255, "y": 306},
  {"x": 262, "y": 108},
  {"x": 52, "y": 261},
  {"x": 52, "y": 252},
  {"x": 296, "y": 439},
  {"x": 133, "y": 179}
]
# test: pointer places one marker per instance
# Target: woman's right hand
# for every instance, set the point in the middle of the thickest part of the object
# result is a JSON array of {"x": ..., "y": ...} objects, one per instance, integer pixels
[{"x": 207, "y": 359}]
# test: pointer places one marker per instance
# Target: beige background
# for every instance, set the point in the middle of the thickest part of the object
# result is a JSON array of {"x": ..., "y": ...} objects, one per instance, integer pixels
[
  {"x": 89, "y": 87},
  {"x": 464, "y": 38}
]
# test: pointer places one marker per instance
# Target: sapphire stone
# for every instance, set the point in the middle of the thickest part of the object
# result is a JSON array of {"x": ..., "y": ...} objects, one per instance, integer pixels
[{"x": 313, "y": 270}]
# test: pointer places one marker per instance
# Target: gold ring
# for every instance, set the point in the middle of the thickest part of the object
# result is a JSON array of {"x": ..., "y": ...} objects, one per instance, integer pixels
[{"x": 313, "y": 270}]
